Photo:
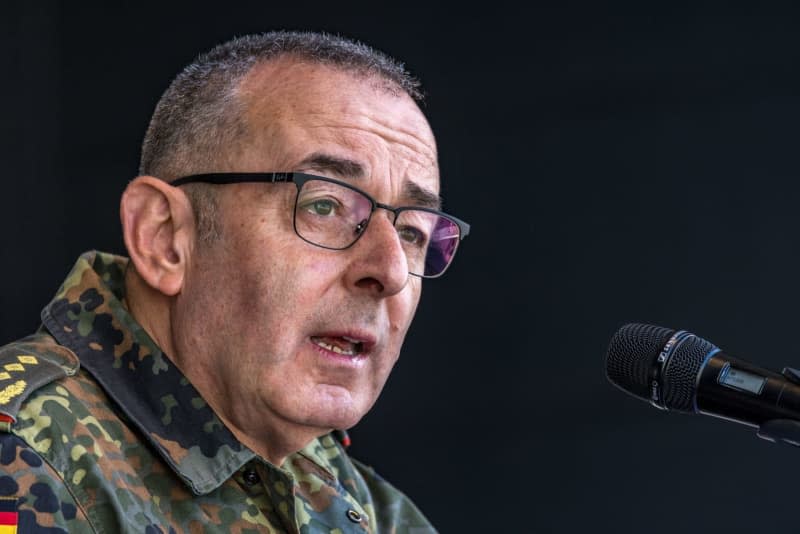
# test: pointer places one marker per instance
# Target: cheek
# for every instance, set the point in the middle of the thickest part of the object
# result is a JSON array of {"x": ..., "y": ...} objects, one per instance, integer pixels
[
  {"x": 403, "y": 307},
  {"x": 317, "y": 269},
  {"x": 278, "y": 291}
]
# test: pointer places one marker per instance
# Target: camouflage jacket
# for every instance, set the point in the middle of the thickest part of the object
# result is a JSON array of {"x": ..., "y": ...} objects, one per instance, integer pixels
[{"x": 100, "y": 432}]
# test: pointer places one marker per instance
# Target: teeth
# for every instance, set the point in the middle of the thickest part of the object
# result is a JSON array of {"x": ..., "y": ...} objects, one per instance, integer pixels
[
  {"x": 358, "y": 346},
  {"x": 334, "y": 348}
]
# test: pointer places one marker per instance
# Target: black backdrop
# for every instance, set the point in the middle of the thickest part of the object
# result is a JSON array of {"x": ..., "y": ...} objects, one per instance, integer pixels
[{"x": 616, "y": 164}]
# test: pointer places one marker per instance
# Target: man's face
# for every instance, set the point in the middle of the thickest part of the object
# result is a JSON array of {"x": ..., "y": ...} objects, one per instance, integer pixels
[{"x": 287, "y": 332}]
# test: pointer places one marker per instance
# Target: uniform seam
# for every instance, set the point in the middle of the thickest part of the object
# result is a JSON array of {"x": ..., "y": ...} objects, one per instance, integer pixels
[{"x": 329, "y": 476}]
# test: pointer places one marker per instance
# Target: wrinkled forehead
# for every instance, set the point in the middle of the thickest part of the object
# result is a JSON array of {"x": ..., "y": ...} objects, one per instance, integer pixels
[{"x": 309, "y": 103}]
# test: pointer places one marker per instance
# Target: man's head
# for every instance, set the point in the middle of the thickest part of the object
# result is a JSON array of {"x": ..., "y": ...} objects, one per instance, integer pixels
[
  {"x": 198, "y": 122},
  {"x": 285, "y": 339}
]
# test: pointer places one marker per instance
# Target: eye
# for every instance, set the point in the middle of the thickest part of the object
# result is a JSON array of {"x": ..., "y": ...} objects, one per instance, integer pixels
[
  {"x": 412, "y": 235},
  {"x": 324, "y": 207}
]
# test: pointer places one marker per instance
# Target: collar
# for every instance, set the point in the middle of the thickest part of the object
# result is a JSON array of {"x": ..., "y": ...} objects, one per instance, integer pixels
[{"x": 89, "y": 316}]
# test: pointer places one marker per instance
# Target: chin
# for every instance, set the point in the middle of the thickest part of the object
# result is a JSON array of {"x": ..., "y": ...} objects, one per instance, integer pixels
[
  {"x": 333, "y": 417},
  {"x": 337, "y": 411}
]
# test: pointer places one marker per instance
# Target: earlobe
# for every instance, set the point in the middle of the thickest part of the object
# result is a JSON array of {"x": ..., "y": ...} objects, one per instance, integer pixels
[{"x": 157, "y": 225}]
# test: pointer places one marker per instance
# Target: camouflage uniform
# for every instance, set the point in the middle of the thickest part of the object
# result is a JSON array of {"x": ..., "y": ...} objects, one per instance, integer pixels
[{"x": 100, "y": 432}]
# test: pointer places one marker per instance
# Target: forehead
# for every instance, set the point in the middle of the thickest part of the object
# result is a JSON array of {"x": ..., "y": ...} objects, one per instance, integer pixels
[{"x": 295, "y": 109}]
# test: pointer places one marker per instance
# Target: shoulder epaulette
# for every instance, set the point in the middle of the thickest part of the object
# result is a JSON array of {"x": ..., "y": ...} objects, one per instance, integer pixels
[{"x": 25, "y": 366}]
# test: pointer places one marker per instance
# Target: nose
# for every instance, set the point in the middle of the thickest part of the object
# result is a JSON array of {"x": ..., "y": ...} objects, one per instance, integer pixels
[{"x": 379, "y": 264}]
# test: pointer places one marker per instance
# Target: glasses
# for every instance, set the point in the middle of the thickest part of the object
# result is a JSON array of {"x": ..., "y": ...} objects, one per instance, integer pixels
[{"x": 334, "y": 215}]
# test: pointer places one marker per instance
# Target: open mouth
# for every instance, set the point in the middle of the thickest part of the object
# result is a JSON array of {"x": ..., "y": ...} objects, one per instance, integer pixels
[{"x": 340, "y": 345}]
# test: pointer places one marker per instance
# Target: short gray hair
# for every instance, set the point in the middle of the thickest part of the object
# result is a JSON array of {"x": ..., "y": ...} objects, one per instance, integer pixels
[{"x": 199, "y": 115}]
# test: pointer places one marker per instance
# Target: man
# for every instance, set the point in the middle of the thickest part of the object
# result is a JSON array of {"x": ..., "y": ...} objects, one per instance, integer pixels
[{"x": 285, "y": 215}]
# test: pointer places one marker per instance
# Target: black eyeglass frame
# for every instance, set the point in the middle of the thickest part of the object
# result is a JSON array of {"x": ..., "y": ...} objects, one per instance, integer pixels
[{"x": 299, "y": 179}]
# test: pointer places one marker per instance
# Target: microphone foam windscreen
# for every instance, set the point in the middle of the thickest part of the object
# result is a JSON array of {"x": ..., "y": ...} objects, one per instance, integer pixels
[{"x": 631, "y": 354}]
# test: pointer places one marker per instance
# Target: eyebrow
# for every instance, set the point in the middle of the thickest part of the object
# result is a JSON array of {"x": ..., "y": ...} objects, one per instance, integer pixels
[
  {"x": 421, "y": 196},
  {"x": 343, "y": 167},
  {"x": 348, "y": 168}
]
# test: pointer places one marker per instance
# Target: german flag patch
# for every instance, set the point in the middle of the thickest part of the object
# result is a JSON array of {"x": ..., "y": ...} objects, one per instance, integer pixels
[{"x": 8, "y": 515}]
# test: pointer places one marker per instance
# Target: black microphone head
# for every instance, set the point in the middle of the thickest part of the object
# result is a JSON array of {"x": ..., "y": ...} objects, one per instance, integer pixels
[
  {"x": 631, "y": 354},
  {"x": 632, "y": 364}
]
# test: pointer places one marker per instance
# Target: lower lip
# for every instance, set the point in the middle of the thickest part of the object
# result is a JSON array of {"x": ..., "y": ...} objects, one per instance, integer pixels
[{"x": 354, "y": 361}]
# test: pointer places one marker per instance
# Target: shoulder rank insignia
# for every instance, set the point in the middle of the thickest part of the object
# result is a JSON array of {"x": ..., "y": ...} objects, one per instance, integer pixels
[{"x": 25, "y": 366}]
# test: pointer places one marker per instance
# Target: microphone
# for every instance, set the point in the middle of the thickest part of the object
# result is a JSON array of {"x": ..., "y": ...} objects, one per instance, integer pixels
[{"x": 679, "y": 371}]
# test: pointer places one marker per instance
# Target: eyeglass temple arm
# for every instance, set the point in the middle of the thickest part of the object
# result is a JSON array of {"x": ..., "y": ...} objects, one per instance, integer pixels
[{"x": 224, "y": 178}]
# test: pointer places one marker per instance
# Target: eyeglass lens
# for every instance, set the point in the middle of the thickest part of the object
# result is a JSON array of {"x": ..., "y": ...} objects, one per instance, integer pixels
[{"x": 333, "y": 216}]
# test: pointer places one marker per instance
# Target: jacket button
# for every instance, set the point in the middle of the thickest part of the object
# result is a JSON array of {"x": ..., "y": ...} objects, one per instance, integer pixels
[
  {"x": 250, "y": 477},
  {"x": 353, "y": 516}
]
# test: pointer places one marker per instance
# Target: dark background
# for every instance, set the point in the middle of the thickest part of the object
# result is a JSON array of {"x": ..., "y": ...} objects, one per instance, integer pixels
[{"x": 617, "y": 164}]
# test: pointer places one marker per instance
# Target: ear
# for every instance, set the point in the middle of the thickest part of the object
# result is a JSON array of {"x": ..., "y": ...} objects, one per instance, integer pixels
[{"x": 158, "y": 228}]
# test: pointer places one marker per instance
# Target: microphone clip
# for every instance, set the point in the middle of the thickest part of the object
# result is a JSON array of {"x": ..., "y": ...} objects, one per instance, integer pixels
[
  {"x": 791, "y": 374},
  {"x": 781, "y": 431}
]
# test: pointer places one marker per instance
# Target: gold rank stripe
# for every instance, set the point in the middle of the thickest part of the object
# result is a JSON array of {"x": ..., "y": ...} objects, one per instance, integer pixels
[
  {"x": 11, "y": 391},
  {"x": 26, "y": 359}
]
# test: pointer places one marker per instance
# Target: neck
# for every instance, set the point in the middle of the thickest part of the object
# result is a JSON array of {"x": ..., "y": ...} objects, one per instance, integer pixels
[
  {"x": 273, "y": 442},
  {"x": 150, "y": 309}
]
